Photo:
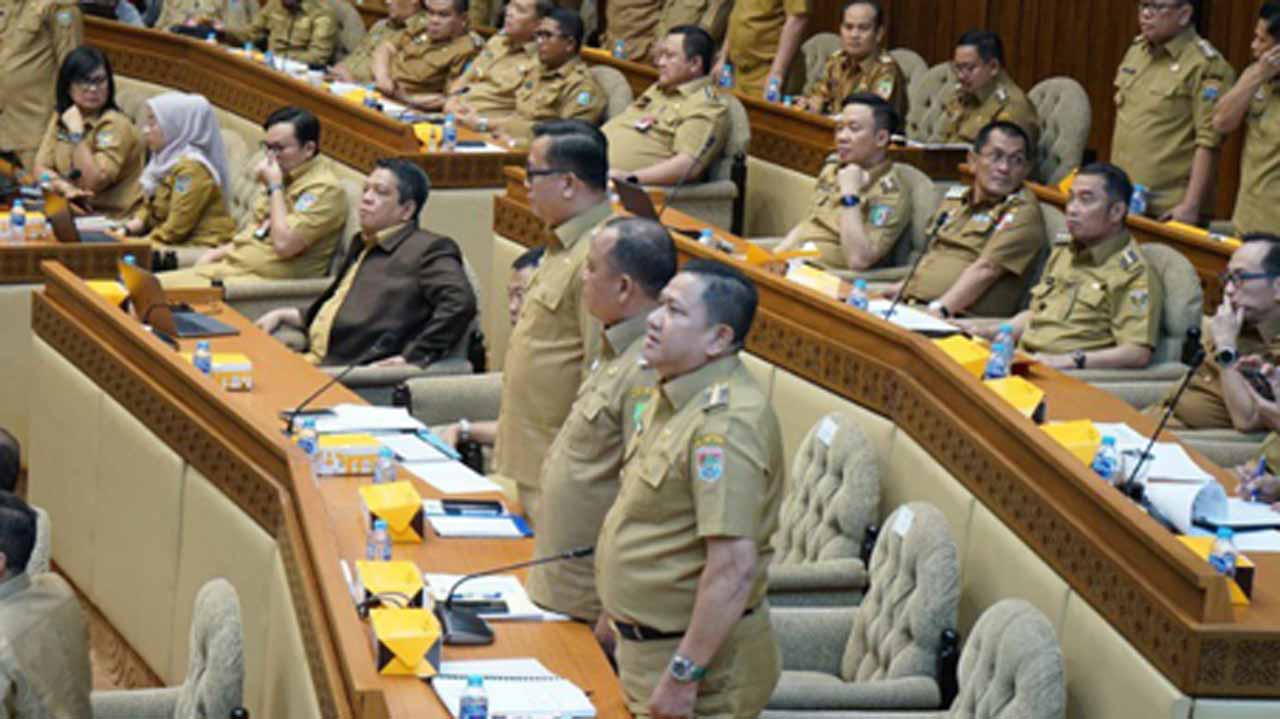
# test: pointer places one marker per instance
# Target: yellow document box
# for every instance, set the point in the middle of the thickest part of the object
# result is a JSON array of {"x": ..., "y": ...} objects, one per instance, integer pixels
[
  {"x": 1079, "y": 436},
  {"x": 406, "y": 642},
  {"x": 111, "y": 290},
  {"x": 1242, "y": 588},
  {"x": 232, "y": 370},
  {"x": 970, "y": 354},
  {"x": 354, "y": 453},
  {"x": 402, "y": 578},
  {"x": 400, "y": 505},
  {"x": 1024, "y": 396}
]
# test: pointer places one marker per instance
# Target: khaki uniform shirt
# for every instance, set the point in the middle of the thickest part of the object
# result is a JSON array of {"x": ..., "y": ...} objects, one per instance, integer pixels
[
  {"x": 492, "y": 78},
  {"x": 1009, "y": 232},
  {"x": 44, "y": 650},
  {"x": 842, "y": 76},
  {"x": 967, "y": 114},
  {"x": 710, "y": 15},
  {"x": 885, "y": 208},
  {"x": 359, "y": 62},
  {"x": 635, "y": 23},
  {"x": 235, "y": 15},
  {"x": 119, "y": 152},
  {"x": 308, "y": 36},
  {"x": 322, "y": 324},
  {"x": 549, "y": 352},
  {"x": 187, "y": 208},
  {"x": 1165, "y": 97},
  {"x": 1202, "y": 405},
  {"x": 755, "y": 28},
  {"x": 580, "y": 477},
  {"x": 568, "y": 92},
  {"x": 421, "y": 65},
  {"x": 705, "y": 463},
  {"x": 1258, "y": 202},
  {"x": 691, "y": 119},
  {"x": 1094, "y": 298},
  {"x": 1271, "y": 452},
  {"x": 35, "y": 37}
]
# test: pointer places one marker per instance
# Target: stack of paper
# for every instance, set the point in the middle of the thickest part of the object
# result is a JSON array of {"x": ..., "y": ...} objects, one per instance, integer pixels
[
  {"x": 452, "y": 477},
  {"x": 504, "y": 588},
  {"x": 503, "y": 527},
  {"x": 909, "y": 318},
  {"x": 516, "y": 687},
  {"x": 411, "y": 448},
  {"x": 364, "y": 418}
]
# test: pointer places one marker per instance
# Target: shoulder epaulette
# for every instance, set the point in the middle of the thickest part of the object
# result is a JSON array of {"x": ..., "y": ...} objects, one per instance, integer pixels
[
  {"x": 1062, "y": 238},
  {"x": 1002, "y": 95},
  {"x": 1129, "y": 258},
  {"x": 716, "y": 396},
  {"x": 1207, "y": 48},
  {"x": 888, "y": 184},
  {"x": 956, "y": 192}
]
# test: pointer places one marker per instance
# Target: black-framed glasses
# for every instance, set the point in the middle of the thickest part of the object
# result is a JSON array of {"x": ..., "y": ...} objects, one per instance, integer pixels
[
  {"x": 1239, "y": 277},
  {"x": 530, "y": 173}
]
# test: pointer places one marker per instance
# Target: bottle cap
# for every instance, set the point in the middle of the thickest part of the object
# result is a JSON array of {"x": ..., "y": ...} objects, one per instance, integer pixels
[
  {"x": 475, "y": 680},
  {"x": 1225, "y": 533},
  {"x": 860, "y": 283},
  {"x": 1108, "y": 440},
  {"x": 1006, "y": 327},
  {"x": 130, "y": 260},
  {"x": 380, "y": 524},
  {"x": 202, "y": 345},
  {"x": 449, "y": 117},
  {"x": 386, "y": 452}
]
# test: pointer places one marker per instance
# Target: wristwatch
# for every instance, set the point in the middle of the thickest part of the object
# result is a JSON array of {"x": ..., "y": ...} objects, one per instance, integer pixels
[
  {"x": 482, "y": 125},
  {"x": 850, "y": 201},
  {"x": 75, "y": 137},
  {"x": 273, "y": 187},
  {"x": 464, "y": 430},
  {"x": 1079, "y": 357},
  {"x": 1226, "y": 357},
  {"x": 941, "y": 309},
  {"x": 684, "y": 670}
]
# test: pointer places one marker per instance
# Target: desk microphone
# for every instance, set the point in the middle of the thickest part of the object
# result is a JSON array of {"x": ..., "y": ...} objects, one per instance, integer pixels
[
  {"x": 688, "y": 172},
  {"x": 383, "y": 345},
  {"x": 465, "y": 626},
  {"x": 938, "y": 224}
]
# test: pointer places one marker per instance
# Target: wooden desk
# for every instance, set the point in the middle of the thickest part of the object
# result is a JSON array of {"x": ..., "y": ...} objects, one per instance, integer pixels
[
  {"x": 235, "y": 440},
  {"x": 20, "y": 261}
]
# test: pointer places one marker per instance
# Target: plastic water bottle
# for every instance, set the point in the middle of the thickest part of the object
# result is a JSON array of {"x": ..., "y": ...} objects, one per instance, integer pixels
[
  {"x": 774, "y": 92},
  {"x": 1001, "y": 353},
  {"x": 18, "y": 222},
  {"x": 211, "y": 38},
  {"x": 1223, "y": 555},
  {"x": 378, "y": 543},
  {"x": 620, "y": 50},
  {"x": 475, "y": 700},
  {"x": 858, "y": 296},
  {"x": 1140, "y": 200},
  {"x": 309, "y": 440},
  {"x": 269, "y": 58},
  {"x": 449, "y": 138},
  {"x": 706, "y": 238},
  {"x": 248, "y": 49},
  {"x": 726, "y": 76},
  {"x": 1106, "y": 463},
  {"x": 370, "y": 98},
  {"x": 384, "y": 470},
  {"x": 203, "y": 358}
]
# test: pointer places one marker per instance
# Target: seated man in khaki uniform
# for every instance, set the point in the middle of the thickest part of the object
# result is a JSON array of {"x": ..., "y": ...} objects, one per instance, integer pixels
[
  {"x": 987, "y": 236},
  {"x": 419, "y": 65},
  {"x": 297, "y": 216},
  {"x": 559, "y": 85},
  {"x": 300, "y": 30},
  {"x": 860, "y": 65},
  {"x": 678, "y": 127},
  {"x": 486, "y": 91},
  {"x": 1097, "y": 304},
  {"x": 357, "y": 66},
  {"x": 984, "y": 93},
  {"x": 860, "y": 207},
  {"x": 682, "y": 556},
  {"x": 397, "y": 279},
  {"x": 44, "y": 642},
  {"x": 629, "y": 263}
]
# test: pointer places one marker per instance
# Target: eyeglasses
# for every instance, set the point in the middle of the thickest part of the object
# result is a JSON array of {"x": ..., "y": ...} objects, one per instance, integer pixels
[
  {"x": 1155, "y": 8},
  {"x": 1013, "y": 162},
  {"x": 272, "y": 148},
  {"x": 531, "y": 173},
  {"x": 1239, "y": 277},
  {"x": 89, "y": 83}
]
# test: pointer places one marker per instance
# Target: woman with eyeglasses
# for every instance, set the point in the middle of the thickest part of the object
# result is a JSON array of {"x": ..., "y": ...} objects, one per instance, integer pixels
[
  {"x": 91, "y": 150},
  {"x": 183, "y": 185}
]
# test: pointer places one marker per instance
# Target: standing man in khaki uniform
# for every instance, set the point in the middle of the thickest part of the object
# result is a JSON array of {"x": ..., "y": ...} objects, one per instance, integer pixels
[
  {"x": 559, "y": 86},
  {"x": 681, "y": 558},
  {"x": 1097, "y": 305},
  {"x": 629, "y": 263},
  {"x": 299, "y": 30},
  {"x": 986, "y": 237},
  {"x": 679, "y": 126},
  {"x": 860, "y": 65},
  {"x": 1255, "y": 100},
  {"x": 35, "y": 37},
  {"x": 710, "y": 15},
  {"x": 418, "y": 67},
  {"x": 1167, "y": 88},
  {"x": 297, "y": 217},
  {"x": 984, "y": 93},
  {"x": 641, "y": 24},
  {"x": 555, "y": 339},
  {"x": 763, "y": 38},
  {"x": 486, "y": 91},
  {"x": 861, "y": 206},
  {"x": 357, "y": 66}
]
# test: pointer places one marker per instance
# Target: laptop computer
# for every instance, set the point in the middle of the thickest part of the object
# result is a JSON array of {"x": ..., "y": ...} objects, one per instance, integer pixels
[
  {"x": 57, "y": 209},
  {"x": 635, "y": 200},
  {"x": 149, "y": 302}
]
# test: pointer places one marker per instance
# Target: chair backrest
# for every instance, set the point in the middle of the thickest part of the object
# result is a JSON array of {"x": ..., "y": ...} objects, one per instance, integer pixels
[
  {"x": 815, "y": 52},
  {"x": 925, "y": 97},
  {"x": 40, "y": 553},
  {"x": 1065, "y": 117},
  {"x": 1055, "y": 225},
  {"x": 912, "y": 600},
  {"x": 130, "y": 99},
  {"x": 617, "y": 90},
  {"x": 214, "y": 686},
  {"x": 736, "y": 145},
  {"x": 1011, "y": 667},
  {"x": 350, "y": 27},
  {"x": 911, "y": 63},
  {"x": 834, "y": 494},
  {"x": 925, "y": 199},
  {"x": 1183, "y": 299},
  {"x": 353, "y": 190},
  {"x": 244, "y": 185}
]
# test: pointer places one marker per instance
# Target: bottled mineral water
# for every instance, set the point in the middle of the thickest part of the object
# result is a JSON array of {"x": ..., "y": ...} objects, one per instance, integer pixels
[
  {"x": 1223, "y": 556},
  {"x": 475, "y": 700},
  {"x": 858, "y": 295},
  {"x": 384, "y": 470},
  {"x": 1106, "y": 463},
  {"x": 449, "y": 137},
  {"x": 202, "y": 358},
  {"x": 1001, "y": 359}
]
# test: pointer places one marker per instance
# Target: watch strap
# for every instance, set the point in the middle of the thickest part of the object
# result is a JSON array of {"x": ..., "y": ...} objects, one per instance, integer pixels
[
  {"x": 850, "y": 201},
  {"x": 1226, "y": 357}
]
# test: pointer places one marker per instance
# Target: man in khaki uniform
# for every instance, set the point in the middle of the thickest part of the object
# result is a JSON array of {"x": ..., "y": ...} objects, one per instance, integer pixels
[
  {"x": 486, "y": 91},
  {"x": 629, "y": 263},
  {"x": 555, "y": 339},
  {"x": 763, "y": 38},
  {"x": 986, "y": 237},
  {"x": 299, "y": 30},
  {"x": 297, "y": 217},
  {"x": 357, "y": 66},
  {"x": 418, "y": 67},
  {"x": 558, "y": 86},
  {"x": 861, "y": 206},
  {"x": 681, "y": 558},
  {"x": 641, "y": 24},
  {"x": 1255, "y": 102},
  {"x": 679, "y": 126},
  {"x": 860, "y": 65},
  {"x": 984, "y": 93},
  {"x": 1167, "y": 88},
  {"x": 233, "y": 15},
  {"x": 35, "y": 37}
]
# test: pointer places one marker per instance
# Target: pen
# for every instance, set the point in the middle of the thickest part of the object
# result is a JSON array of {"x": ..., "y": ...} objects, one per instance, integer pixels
[{"x": 1257, "y": 474}]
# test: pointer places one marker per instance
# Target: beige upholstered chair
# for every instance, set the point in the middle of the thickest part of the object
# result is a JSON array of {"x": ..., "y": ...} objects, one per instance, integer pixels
[
  {"x": 924, "y": 119},
  {"x": 616, "y": 89},
  {"x": 925, "y": 199},
  {"x": 718, "y": 199},
  {"x": 350, "y": 28},
  {"x": 911, "y": 63},
  {"x": 815, "y": 52},
  {"x": 883, "y": 654},
  {"x": 834, "y": 496},
  {"x": 1065, "y": 118},
  {"x": 442, "y": 400},
  {"x": 214, "y": 686},
  {"x": 39, "y": 561},
  {"x": 1011, "y": 667}
]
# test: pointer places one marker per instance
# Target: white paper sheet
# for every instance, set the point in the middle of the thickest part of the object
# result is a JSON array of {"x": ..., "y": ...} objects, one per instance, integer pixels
[
  {"x": 516, "y": 688},
  {"x": 1183, "y": 503},
  {"x": 363, "y": 418},
  {"x": 1241, "y": 514},
  {"x": 1170, "y": 462},
  {"x": 452, "y": 477},
  {"x": 503, "y": 587},
  {"x": 409, "y": 448},
  {"x": 506, "y": 527},
  {"x": 908, "y": 317},
  {"x": 1258, "y": 542}
]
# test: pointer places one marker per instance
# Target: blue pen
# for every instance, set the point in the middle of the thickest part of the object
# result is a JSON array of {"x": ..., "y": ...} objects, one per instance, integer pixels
[{"x": 1257, "y": 474}]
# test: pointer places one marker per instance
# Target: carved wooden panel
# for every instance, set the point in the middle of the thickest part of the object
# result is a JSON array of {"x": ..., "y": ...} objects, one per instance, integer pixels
[{"x": 20, "y": 263}]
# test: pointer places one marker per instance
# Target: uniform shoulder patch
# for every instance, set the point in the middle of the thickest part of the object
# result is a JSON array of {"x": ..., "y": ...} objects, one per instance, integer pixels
[
  {"x": 181, "y": 184},
  {"x": 64, "y": 18},
  {"x": 956, "y": 192},
  {"x": 1207, "y": 48},
  {"x": 884, "y": 88},
  {"x": 1210, "y": 93},
  {"x": 305, "y": 202},
  {"x": 880, "y": 215},
  {"x": 1139, "y": 298},
  {"x": 105, "y": 139},
  {"x": 708, "y": 457},
  {"x": 584, "y": 98},
  {"x": 1129, "y": 258},
  {"x": 716, "y": 396}
]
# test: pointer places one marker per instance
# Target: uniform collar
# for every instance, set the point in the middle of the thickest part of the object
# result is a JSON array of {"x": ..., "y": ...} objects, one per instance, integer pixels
[
  {"x": 575, "y": 227},
  {"x": 869, "y": 62},
  {"x": 389, "y": 238},
  {"x": 621, "y": 335},
  {"x": 564, "y": 70},
  {"x": 996, "y": 83},
  {"x": 680, "y": 390},
  {"x": 13, "y": 585},
  {"x": 993, "y": 201},
  {"x": 301, "y": 170},
  {"x": 1099, "y": 252},
  {"x": 1176, "y": 44},
  {"x": 688, "y": 88}
]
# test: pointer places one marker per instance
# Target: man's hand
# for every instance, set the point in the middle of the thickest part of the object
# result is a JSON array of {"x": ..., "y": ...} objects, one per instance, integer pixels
[
  {"x": 672, "y": 699},
  {"x": 605, "y": 636},
  {"x": 1265, "y": 69},
  {"x": 1058, "y": 362},
  {"x": 1183, "y": 213},
  {"x": 271, "y": 321},
  {"x": 268, "y": 171},
  {"x": 341, "y": 73},
  {"x": 214, "y": 255},
  {"x": 134, "y": 227},
  {"x": 894, "y": 289},
  {"x": 73, "y": 120},
  {"x": 852, "y": 179},
  {"x": 1265, "y": 489},
  {"x": 388, "y": 88},
  {"x": 1226, "y": 324},
  {"x": 449, "y": 435},
  {"x": 395, "y": 361}
]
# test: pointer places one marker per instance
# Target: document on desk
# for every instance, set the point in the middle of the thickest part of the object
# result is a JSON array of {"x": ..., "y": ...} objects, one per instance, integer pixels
[
  {"x": 1185, "y": 504},
  {"x": 411, "y": 448},
  {"x": 516, "y": 687},
  {"x": 452, "y": 477},
  {"x": 501, "y": 589},
  {"x": 909, "y": 318},
  {"x": 1245, "y": 515},
  {"x": 1258, "y": 542},
  {"x": 506, "y": 527},
  {"x": 364, "y": 418},
  {"x": 1169, "y": 463}
]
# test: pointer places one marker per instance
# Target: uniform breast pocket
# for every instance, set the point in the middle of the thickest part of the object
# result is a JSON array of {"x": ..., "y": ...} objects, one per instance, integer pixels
[
  {"x": 551, "y": 293},
  {"x": 1091, "y": 302},
  {"x": 302, "y": 28},
  {"x": 1169, "y": 93}
]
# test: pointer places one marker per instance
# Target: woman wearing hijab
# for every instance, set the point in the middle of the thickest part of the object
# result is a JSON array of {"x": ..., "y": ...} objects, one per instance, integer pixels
[{"x": 183, "y": 184}]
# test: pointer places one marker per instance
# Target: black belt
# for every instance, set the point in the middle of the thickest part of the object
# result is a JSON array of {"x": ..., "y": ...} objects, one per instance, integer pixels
[{"x": 641, "y": 633}]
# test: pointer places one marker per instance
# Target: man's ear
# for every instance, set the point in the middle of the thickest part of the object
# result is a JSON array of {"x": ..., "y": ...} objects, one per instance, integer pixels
[{"x": 721, "y": 340}]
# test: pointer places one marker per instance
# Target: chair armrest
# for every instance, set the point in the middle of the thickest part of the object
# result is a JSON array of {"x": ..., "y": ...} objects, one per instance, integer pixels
[
  {"x": 135, "y": 704},
  {"x": 371, "y": 376},
  {"x": 436, "y": 400},
  {"x": 812, "y": 639},
  {"x": 1165, "y": 372},
  {"x": 830, "y": 574},
  {"x": 186, "y": 256},
  {"x": 711, "y": 190},
  {"x": 882, "y": 274},
  {"x": 255, "y": 297},
  {"x": 901, "y": 693}
]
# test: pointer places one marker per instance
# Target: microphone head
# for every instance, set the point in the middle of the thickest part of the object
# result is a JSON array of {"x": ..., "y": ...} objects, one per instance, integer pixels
[{"x": 581, "y": 552}]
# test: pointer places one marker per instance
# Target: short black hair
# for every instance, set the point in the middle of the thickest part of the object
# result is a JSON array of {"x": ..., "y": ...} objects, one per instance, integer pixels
[
  {"x": 875, "y": 5},
  {"x": 17, "y": 532},
  {"x": 412, "y": 183},
  {"x": 528, "y": 259},
  {"x": 79, "y": 64},
  {"x": 10, "y": 460},
  {"x": 1270, "y": 14},
  {"x": 885, "y": 117},
  {"x": 570, "y": 23},
  {"x": 1119, "y": 187},
  {"x": 1006, "y": 128},
  {"x": 698, "y": 43},
  {"x": 644, "y": 252},
  {"x": 987, "y": 43},
  {"x": 306, "y": 128},
  {"x": 579, "y": 147},
  {"x": 729, "y": 296},
  {"x": 1270, "y": 261}
]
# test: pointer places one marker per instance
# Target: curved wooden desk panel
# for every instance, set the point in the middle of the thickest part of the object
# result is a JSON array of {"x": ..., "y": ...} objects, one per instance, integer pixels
[
  {"x": 20, "y": 262},
  {"x": 1156, "y": 593}
]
